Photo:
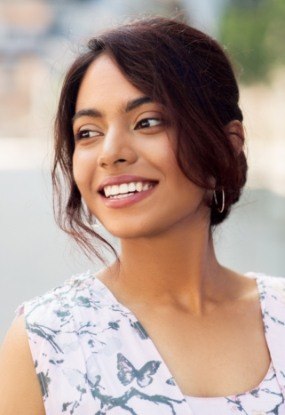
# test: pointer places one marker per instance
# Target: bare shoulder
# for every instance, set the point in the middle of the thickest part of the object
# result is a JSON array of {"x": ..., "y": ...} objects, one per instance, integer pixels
[
  {"x": 19, "y": 386},
  {"x": 239, "y": 286}
]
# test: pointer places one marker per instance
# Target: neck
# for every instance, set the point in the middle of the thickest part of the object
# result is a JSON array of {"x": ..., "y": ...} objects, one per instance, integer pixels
[{"x": 180, "y": 268}]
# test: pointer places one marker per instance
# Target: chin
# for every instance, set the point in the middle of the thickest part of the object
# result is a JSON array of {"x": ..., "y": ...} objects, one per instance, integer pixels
[
  {"x": 127, "y": 233},
  {"x": 132, "y": 230}
]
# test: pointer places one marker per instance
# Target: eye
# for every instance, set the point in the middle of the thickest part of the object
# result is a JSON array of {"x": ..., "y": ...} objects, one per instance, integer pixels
[
  {"x": 148, "y": 123},
  {"x": 86, "y": 133}
]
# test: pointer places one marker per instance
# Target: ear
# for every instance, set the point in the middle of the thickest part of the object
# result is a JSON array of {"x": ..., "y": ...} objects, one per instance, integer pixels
[{"x": 235, "y": 132}]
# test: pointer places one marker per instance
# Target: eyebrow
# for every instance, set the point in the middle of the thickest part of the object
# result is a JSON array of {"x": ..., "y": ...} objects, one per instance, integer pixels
[
  {"x": 92, "y": 112},
  {"x": 136, "y": 103}
]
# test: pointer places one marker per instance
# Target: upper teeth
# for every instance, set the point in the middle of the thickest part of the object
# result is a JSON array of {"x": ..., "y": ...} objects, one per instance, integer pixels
[{"x": 126, "y": 188}]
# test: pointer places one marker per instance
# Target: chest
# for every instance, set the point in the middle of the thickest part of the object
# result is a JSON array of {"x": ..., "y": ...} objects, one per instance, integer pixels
[{"x": 218, "y": 355}]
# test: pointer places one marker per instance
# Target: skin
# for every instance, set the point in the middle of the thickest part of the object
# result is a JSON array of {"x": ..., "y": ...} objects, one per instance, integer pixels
[
  {"x": 20, "y": 389},
  {"x": 204, "y": 319}
]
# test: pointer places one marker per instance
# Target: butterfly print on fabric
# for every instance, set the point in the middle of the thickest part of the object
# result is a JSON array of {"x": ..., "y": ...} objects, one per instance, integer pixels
[{"x": 127, "y": 372}]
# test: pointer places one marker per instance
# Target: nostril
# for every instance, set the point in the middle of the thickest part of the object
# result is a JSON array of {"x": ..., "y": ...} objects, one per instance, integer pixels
[{"x": 108, "y": 160}]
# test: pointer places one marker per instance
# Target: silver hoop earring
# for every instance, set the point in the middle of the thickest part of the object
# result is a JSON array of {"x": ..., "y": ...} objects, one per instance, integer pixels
[{"x": 220, "y": 210}]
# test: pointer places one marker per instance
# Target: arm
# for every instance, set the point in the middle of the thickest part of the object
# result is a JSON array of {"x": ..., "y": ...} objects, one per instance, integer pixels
[{"x": 19, "y": 386}]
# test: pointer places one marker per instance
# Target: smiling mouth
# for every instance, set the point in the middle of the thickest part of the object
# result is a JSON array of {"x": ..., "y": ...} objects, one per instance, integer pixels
[{"x": 125, "y": 190}]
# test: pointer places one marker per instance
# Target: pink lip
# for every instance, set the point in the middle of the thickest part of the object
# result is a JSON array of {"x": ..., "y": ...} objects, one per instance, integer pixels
[
  {"x": 130, "y": 200},
  {"x": 125, "y": 178}
]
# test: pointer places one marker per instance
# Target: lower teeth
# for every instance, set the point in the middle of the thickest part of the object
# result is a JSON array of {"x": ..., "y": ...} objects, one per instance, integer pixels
[{"x": 121, "y": 196}]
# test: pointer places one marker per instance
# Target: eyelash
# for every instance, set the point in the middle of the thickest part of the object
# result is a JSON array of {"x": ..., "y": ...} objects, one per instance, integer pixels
[
  {"x": 80, "y": 135},
  {"x": 148, "y": 119},
  {"x": 139, "y": 126}
]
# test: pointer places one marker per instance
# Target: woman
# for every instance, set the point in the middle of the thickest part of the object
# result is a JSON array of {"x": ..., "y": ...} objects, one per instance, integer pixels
[{"x": 149, "y": 139}]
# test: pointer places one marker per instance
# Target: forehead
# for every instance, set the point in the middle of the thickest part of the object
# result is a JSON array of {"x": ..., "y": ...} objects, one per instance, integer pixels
[{"x": 104, "y": 85}]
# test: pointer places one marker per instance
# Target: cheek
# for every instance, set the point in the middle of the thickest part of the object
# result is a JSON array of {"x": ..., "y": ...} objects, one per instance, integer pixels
[
  {"x": 187, "y": 193},
  {"x": 173, "y": 173},
  {"x": 83, "y": 169},
  {"x": 161, "y": 155},
  {"x": 167, "y": 162}
]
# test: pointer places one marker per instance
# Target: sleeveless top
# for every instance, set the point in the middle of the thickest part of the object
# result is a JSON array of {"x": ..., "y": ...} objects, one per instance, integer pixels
[{"x": 93, "y": 357}]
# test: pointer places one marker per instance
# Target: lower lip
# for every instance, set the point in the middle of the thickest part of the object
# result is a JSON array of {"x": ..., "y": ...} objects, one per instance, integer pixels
[{"x": 128, "y": 201}]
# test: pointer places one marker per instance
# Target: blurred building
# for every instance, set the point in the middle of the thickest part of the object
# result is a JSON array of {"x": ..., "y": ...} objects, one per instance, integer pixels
[{"x": 37, "y": 40}]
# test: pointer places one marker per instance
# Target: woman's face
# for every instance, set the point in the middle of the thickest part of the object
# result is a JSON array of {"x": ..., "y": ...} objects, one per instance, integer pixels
[{"x": 124, "y": 162}]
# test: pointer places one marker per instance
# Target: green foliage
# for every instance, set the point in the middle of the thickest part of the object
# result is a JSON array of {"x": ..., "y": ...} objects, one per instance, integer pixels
[{"x": 254, "y": 34}]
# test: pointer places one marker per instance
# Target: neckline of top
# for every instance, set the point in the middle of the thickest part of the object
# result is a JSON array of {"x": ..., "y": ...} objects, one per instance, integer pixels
[{"x": 257, "y": 276}]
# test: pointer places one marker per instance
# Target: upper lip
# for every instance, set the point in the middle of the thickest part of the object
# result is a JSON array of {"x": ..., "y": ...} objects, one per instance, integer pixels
[{"x": 126, "y": 178}]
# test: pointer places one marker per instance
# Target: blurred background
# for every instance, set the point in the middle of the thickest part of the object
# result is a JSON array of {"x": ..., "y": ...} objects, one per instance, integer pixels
[{"x": 38, "y": 40}]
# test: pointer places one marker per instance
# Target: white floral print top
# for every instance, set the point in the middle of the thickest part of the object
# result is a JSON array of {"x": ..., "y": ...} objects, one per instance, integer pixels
[{"x": 93, "y": 357}]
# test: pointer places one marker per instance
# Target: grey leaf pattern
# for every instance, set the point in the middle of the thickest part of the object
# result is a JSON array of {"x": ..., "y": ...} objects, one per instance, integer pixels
[{"x": 92, "y": 355}]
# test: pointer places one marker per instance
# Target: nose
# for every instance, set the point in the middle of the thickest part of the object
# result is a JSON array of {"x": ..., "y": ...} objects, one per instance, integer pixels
[{"x": 116, "y": 150}]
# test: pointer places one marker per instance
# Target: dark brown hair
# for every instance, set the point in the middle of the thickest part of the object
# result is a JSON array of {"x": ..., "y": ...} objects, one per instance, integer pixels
[{"x": 186, "y": 71}]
